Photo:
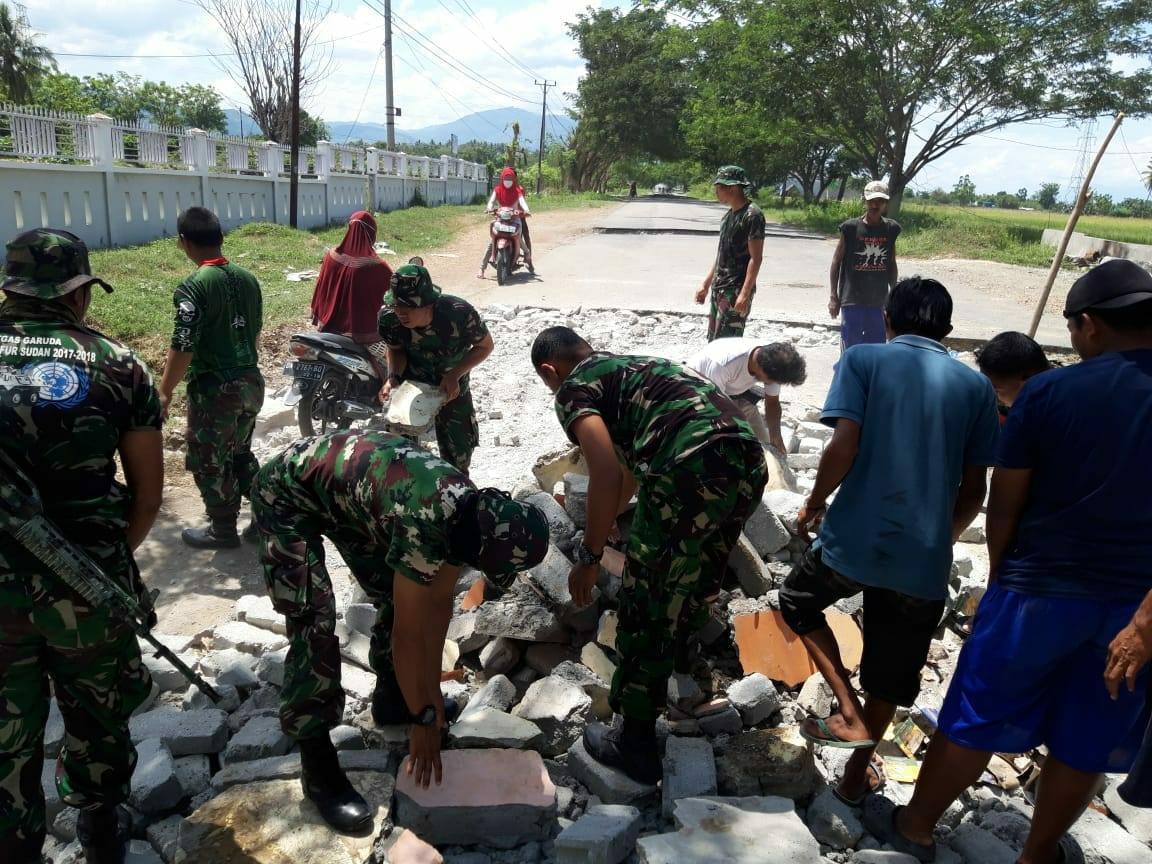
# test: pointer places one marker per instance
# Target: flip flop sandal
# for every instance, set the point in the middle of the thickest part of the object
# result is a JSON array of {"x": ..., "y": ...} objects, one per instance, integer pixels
[
  {"x": 875, "y": 769},
  {"x": 830, "y": 738}
]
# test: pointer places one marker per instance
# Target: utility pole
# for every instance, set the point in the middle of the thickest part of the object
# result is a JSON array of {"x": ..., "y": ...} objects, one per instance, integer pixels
[
  {"x": 543, "y": 114},
  {"x": 294, "y": 183},
  {"x": 390, "y": 110}
]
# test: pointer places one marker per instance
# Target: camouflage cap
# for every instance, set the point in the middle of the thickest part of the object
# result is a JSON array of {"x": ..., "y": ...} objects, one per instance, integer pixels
[
  {"x": 48, "y": 263},
  {"x": 731, "y": 175},
  {"x": 411, "y": 286},
  {"x": 513, "y": 535},
  {"x": 876, "y": 189}
]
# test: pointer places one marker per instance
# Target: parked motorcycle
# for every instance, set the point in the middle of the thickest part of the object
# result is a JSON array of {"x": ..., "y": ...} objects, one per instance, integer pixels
[{"x": 506, "y": 246}]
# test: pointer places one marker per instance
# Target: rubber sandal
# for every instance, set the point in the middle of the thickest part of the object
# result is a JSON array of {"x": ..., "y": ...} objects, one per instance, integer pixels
[
  {"x": 880, "y": 821},
  {"x": 875, "y": 769},
  {"x": 830, "y": 738}
]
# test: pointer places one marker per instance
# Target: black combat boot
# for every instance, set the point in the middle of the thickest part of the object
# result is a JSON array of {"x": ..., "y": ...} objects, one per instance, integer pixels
[
  {"x": 389, "y": 709},
  {"x": 631, "y": 749},
  {"x": 220, "y": 534},
  {"x": 103, "y": 834},
  {"x": 326, "y": 786}
]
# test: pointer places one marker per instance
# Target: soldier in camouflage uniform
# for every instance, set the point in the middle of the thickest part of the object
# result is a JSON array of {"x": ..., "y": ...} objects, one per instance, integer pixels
[
  {"x": 219, "y": 312},
  {"x": 70, "y": 400},
  {"x": 700, "y": 471},
  {"x": 733, "y": 274},
  {"x": 405, "y": 522},
  {"x": 436, "y": 339}
]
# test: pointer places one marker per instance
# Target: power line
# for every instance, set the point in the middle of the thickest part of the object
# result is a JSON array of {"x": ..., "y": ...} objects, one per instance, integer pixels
[
  {"x": 363, "y": 98},
  {"x": 495, "y": 41}
]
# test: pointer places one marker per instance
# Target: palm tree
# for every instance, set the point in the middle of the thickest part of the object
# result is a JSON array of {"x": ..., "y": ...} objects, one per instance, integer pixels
[
  {"x": 22, "y": 61},
  {"x": 1148, "y": 176}
]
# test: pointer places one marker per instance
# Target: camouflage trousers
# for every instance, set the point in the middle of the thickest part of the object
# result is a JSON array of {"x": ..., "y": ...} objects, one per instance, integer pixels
[
  {"x": 292, "y": 554},
  {"x": 457, "y": 433},
  {"x": 685, "y": 525},
  {"x": 221, "y": 417},
  {"x": 47, "y": 633},
  {"x": 723, "y": 319}
]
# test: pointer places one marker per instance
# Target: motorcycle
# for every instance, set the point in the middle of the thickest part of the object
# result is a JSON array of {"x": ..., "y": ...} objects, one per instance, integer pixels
[{"x": 506, "y": 245}]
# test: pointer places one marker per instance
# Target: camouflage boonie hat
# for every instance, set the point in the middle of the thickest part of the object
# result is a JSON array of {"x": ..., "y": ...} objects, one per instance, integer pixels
[
  {"x": 513, "y": 535},
  {"x": 411, "y": 286},
  {"x": 48, "y": 263},
  {"x": 731, "y": 175}
]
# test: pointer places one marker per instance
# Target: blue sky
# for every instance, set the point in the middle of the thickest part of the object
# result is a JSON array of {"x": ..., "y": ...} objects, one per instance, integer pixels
[{"x": 167, "y": 40}]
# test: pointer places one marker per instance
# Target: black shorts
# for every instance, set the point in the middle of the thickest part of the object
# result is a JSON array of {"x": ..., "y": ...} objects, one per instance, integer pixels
[{"x": 897, "y": 628}]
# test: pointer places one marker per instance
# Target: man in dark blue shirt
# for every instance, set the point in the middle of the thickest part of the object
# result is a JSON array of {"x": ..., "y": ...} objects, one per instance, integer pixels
[{"x": 1069, "y": 541}]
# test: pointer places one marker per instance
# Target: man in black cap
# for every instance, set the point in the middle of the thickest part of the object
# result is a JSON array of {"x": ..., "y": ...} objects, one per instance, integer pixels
[{"x": 1069, "y": 541}]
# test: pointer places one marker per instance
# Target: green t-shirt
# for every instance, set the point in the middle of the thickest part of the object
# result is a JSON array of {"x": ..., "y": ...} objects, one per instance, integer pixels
[
  {"x": 371, "y": 487},
  {"x": 656, "y": 411},
  {"x": 455, "y": 329},
  {"x": 732, "y": 255},
  {"x": 219, "y": 313}
]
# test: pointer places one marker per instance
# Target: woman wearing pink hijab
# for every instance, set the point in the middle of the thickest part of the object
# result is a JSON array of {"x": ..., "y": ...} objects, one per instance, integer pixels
[{"x": 351, "y": 286}]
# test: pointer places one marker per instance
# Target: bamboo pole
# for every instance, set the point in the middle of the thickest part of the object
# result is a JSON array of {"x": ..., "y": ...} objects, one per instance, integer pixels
[{"x": 1081, "y": 200}]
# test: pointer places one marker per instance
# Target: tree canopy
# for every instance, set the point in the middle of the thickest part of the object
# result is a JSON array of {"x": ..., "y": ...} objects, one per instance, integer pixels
[
  {"x": 133, "y": 99},
  {"x": 22, "y": 61}
]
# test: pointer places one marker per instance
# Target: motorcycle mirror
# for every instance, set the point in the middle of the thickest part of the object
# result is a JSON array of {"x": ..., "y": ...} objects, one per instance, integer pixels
[{"x": 417, "y": 260}]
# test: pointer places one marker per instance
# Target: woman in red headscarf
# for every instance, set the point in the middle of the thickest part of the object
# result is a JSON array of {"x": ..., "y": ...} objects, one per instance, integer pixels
[
  {"x": 509, "y": 193},
  {"x": 351, "y": 285}
]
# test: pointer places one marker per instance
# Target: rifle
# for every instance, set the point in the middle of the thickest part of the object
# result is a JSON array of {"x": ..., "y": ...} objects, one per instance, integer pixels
[{"x": 22, "y": 517}]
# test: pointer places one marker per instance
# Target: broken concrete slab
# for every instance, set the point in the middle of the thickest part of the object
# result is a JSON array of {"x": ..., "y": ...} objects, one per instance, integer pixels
[
  {"x": 270, "y": 669},
  {"x": 689, "y": 771},
  {"x": 196, "y": 699},
  {"x": 164, "y": 836},
  {"x": 53, "y": 731},
  {"x": 500, "y": 798},
  {"x": 184, "y": 732},
  {"x": 815, "y": 696},
  {"x": 259, "y": 738},
  {"x": 607, "y": 784},
  {"x": 155, "y": 786},
  {"x": 833, "y": 822},
  {"x": 246, "y": 638},
  {"x": 767, "y": 762},
  {"x": 755, "y": 697},
  {"x": 499, "y": 693},
  {"x": 594, "y": 657},
  {"x": 546, "y": 656},
  {"x": 519, "y": 617},
  {"x": 560, "y": 524},
  {"x": 550, "y": 468},
  {"x": 166, "y": 676},
  {"x": 590, "y": 683},
  {"x": 735, "y": 831},
  {"x": 975, "y": 844},
  {"x": 785, "y": 505},
  {"x": 755, "y": 579},
  {"x": 462, "y": 631},
  {"x": 257, "y": 610},
  {"x": 487, "y": 727},
  {"x": 767, "y": 645},
  {"x": 230, "y": 666},
  {"x": 1137, "y": 821},
  {"x": 500, "y": 656},
  {"x": 576, "y": 498},
  {"x": 271, "y": 822},
  {"x": 288, "y": 767},
  {"x": 404, "y": 847},
  {"x": 606, "y": 629},
  {"x": 194, "y": 774},
  {"x": 1101, "y": 839},
  {"x": 606, "y": 834},
  {"x": 726, "y": 721},
  {"x": 765, "y": 532},
  {"x": 559, "y": 708},
  {"x": 355, "y": 647}
]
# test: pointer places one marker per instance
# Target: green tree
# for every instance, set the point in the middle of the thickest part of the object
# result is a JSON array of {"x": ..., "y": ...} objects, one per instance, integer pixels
[
  {"x": 312, "y": 129},
  {"x": 900, "y": 83},
  {"x": 62, "y": 92},
  {"x": 201, "y": 108},
  {"x": 964, "y": 192},
  {"x": 1022, "y": 193},
  {"x": 1047, "y": 195},
  {"x": 23, "y": 63},
  {"x": 1098, "y": 204}
]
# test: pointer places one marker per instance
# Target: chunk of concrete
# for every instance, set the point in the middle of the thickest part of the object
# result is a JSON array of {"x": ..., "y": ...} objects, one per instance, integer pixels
[
  {"x": 689, "y": 771},
  {"x": 194, "y": 774},
  {"x": 559, "y": 708},
  {"x": 519, "y": 616},
  {"x": 184, "y": 732},
  {"x": 196, "y": 699},
  {"x": 755, "y": 697},
  {"x": 270, "y": 669},
  {"x": 1101, "y": 839},
  {"x": 560, "y": 524},
  {"x": 501, "y": 798},
  {"x": 736, "y": 831},
  {"x": 404, "y": 847},
  {"x": 975, "y": 844},
  {"x": 487, "y": 727},
  {"x": 546, "y": 656},
  {"x": 608, "y": 784},
  {"x": 726, "y": 721},
  {"x": 256, "y": 609},
  {"x": 576, "y": 498},
  {"x": 53, "y": 731},
  {"x": 755, "y": 578},
  {"x": 231, "y": 666},
  {"x": 499, "y": 693},
  {"x": 605, "y": 834},
  {"x": 271, "y": 822},
  {"x": 590, "y": 683},
  {"x": 815, "y": 696},
  {"x": 164, "y": 836},
  {"x": 246, "y": 638},
  {"x": 606, "y": 629},
  {"x": 1137, "y": 821},
  {"x": 774, "y": 762},
  {"x": 259, "y": 738},
  {"x": 141, "y": 852},
  {"x": 785, "y": 505},
  {"x": 355, "y": 647},
  {"x": 361, "y": 617},
  {"x": 833, "y": 822},
  {"x": 500, "y": 656},
  {"x": 155, "y": 787},
  {"x": 166, "y": 676},
  {"x": 593, "y": 656},
  {"x": 765, "y": 532},
  {"x": 462, "y": 631}
]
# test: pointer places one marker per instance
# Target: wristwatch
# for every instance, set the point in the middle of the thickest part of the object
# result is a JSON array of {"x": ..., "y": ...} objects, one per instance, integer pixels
[
  {"x": 584, "y": 555},
  {"x": 426, "y": 716}
]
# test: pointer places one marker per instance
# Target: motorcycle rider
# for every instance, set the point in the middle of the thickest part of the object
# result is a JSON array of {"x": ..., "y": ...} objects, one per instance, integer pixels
[{"x": 509, "y": 193}]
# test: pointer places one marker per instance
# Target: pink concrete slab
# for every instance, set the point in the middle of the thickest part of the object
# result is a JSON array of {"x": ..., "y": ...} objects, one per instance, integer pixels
[
  {"x": 767, "y": 645},
  {"x": 483, "y": 778},
  {"x": 474, "y": 597}
]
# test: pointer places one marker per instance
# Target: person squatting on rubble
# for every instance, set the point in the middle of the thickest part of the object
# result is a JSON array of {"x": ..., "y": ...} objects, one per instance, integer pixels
[
  {"x": 436, "y": 339},
  {"x": 1009, "y": 359},
  {"x": 747, "y": 372},
  {"x": 914, "y": 434},
  {"x": 864, "y": 270},
  {"x": 732, "y": 279},
  {"x": 509, "y": 193},
  {"x": 701, "y": 473},
  {"x": 350, "y": 288},
  {"x": 404, "y": 521},
  {"x": 1069, "y": 540},
  {"x": 94, "y": 400},
  {"x": 219, "y": 313}
]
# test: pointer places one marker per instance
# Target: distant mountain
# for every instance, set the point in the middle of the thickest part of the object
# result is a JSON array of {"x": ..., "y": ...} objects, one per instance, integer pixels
[{"x": 493, "y": 126}]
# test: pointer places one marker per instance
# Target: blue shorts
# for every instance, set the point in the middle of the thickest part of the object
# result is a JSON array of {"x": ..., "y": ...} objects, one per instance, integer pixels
[
  {"x": 1032, "y": 673},
  {"x": 860, "y": 325}
]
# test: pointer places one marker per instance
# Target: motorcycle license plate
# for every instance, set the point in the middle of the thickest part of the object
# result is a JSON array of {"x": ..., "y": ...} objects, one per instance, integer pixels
[
  {"x": 506, "y": 229},
  {"x": 311, "y": 371}
]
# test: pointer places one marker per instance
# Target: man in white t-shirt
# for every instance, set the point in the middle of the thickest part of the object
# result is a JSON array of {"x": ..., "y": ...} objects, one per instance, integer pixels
[{"x": 746, "y": 372}]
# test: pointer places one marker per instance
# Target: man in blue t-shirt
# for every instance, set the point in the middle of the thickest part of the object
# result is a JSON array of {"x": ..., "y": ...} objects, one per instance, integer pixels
[
  {"x": 915, "y": 433},
  {"x": 1069, "y": 541}
]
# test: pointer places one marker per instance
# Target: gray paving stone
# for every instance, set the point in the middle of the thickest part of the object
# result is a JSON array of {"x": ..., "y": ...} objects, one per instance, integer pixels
[
  {"x": 259, "y": 738},
  {"x": 194, "y": 774},
  {"x": 608, "y": 784},
  {"x": 163, "y": 836},
  {"x": 606, "y": 834},
  {"x": 155, "y": 786},
  {"x": 184, "y": 732},
  {"x": 487, "y": 727},
  {"x": 689, "y": 771}
]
